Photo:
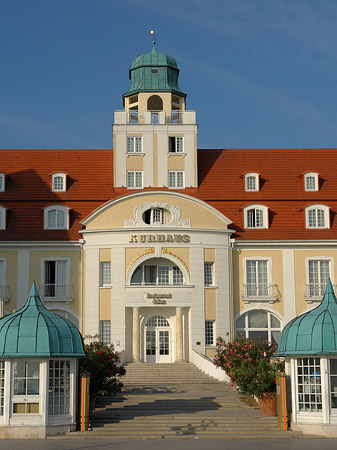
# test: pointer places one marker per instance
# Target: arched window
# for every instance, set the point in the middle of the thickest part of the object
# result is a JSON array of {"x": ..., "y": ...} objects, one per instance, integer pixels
[
  {"x": 317, "y": 216},
  {"x": 259, "y": 324},
  {"x": 251, "y": 182},
  {"x": 56, "y": 217},
  {"x": 256, "y": 216},
  {"x": 155, "y": 103},
  {"x": 59, "y": 182},
  {"x": 157, "y": 272}
]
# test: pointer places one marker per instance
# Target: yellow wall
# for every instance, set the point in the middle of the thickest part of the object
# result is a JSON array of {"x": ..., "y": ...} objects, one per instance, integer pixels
[
  {"x": 134, "y": 162},
  {"x": 210, "y": 352},
  {"x": 276, "y": 259},
  {"x": 104, "y": 304},
  {"x": 75, "y": 271},
  {"x": 114, "y": 216},
  {"x": 105, "y": 254},
  {"x": 209, "y": 254},
  {"x": 176, "y": 162},
  {"x": 11, "y": 277},
  {"x": 210, "y": 304},
  {"x": 155, "y": 160}
]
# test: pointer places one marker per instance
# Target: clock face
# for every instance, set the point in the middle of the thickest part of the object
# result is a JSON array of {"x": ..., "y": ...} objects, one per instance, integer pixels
[{"x": 154, "y": 70}]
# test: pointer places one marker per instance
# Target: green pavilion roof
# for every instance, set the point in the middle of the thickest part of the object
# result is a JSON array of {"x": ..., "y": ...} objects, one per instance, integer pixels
[
  {"x": 314, "y": 332},
  {"x": 154, "y": 72},
  {"x": 35, "y": 332}
]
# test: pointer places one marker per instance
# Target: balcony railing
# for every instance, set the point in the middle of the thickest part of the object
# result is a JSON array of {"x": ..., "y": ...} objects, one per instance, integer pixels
[
  {"x": 56, "y": 292},
  {"x": 315, "y": 291},
  {"x": 155, "y": 117},
  {"x": 260, "y": 292}
]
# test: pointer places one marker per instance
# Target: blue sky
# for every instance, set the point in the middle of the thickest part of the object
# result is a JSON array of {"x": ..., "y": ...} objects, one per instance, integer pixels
[{"x": 259, "y": 73}]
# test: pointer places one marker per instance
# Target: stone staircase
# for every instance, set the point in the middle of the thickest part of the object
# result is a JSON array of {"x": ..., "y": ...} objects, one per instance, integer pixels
[{"x": 177, "y": 401}]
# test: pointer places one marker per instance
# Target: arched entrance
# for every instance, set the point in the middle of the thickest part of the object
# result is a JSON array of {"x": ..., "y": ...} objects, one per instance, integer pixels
[{"x": 158, "y": 340}]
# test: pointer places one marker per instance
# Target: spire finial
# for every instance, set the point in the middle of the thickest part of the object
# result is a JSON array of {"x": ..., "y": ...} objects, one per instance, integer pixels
[{"x": 153, "y": 33}]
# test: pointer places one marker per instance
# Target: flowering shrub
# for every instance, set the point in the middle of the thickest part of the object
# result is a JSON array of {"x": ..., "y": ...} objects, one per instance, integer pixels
[
  {"x": 251, "y": 366},
  {"x": 103, "y": 364}
]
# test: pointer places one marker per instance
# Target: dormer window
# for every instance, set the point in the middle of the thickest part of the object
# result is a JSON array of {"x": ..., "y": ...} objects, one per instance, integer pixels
[
  {"x": 317, "y": 216},
  {"x": 56, "y": 217},
  {"x": 2, "y": 182},
  {"x": 256, "y": 216},
  {"x": 311, "y": 181},
  {"x": 252, "y": 182},
  {"x": 59, "y": 182}
]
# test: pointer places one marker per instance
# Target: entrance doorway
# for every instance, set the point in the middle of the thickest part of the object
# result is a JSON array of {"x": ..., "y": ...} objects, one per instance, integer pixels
[{"x": 157, "y": 340}]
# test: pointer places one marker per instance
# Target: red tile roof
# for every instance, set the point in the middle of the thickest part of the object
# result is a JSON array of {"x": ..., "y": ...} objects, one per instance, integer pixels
[{"x": 221, "y": 184}]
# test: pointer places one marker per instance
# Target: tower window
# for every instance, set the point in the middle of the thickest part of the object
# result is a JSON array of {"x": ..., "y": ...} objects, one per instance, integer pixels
[
  {"x": 134, "y": 144},
  {"x": 176, "y": 144},
  {"x": 134, "y": 179},
  {"x": 154, "y": 70},
  {"x": 176, "y": 179}
]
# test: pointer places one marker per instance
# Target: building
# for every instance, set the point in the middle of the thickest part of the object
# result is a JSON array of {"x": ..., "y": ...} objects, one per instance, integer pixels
[{"x": 159, "y": 246}]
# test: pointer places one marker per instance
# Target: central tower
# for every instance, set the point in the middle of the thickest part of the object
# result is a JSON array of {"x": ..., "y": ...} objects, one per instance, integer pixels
[{"x": 155, "y": 137}]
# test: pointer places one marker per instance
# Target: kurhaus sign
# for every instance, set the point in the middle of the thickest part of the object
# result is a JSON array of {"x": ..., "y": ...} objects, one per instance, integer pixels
[{"x": 141, "y": 238}]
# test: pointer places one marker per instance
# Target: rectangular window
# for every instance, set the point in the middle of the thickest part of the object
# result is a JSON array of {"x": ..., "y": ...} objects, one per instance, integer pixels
[
  {"x": 209, "y": 332},
  {"x": 26, "y": 377},
  {"x": 58, "y": 183},
  {"x": 2, "y": 182},
  {"x": 208, "y": 273},
  {"x": 2, "y": 387},
  {"x": 105, "y": 331},
  {"x": 150, "y": 274},
  {"x": 59, "y": 387},
  {"x": 176, "y": 179},
  {"x": 333, "y": 382},
  {"x": 309, "y": 385},
  {"x": 319, "y": 272},
  {"x": 105, "y": 273},
  {"x": 176, "y": 144},
  {"x": 135, "y": 179},
  {"x": 163, "y": 275},
  {"x": 134, "y": 144},
  {"x": 257, "y": 278},
  {"x": 178, "y": 278},
  {"x": 55, "y": 279}
]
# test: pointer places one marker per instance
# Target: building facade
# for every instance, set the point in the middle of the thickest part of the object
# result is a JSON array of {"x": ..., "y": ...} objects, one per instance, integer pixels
[{"x": 159, "y": 246}]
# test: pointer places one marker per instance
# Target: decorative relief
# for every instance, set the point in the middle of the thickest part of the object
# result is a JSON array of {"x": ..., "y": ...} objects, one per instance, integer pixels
[
  {"x": 147, "y": 251},
  {"x": 167, "y": 251},
  {"x": 174, "y": 212}
]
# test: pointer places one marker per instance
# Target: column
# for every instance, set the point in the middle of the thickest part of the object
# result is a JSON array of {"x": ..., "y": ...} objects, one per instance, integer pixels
[
  {"x": 179, "y": 335},
  {"x": 135, "y": 336}
]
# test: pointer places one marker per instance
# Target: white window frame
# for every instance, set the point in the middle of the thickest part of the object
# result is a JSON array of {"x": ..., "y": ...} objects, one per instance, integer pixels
[
  {"x": 308, "y": 294},
  {"x": 3, "y": 217},
  {"x": 265, "y": 218},
  {"x": 175, "y": 184},
  {"x": 64, "y": 182},
  {"x": 307, "y": 176},
  {"x": 134, "y": 176},
  {"x": 245, "y": 330},
  {"x": 60, "y": 369},
  {"x": 210, "y": 332},
  {"x": 2, "y": 182},
  {"x": 3, "y": 285},
  {"x": 206, "y": 273},
  {"x": 269, "y": 274},
  {"x": 105, "y": 280},
  {"x": 256, "y": 177},
  {"x": 68, "y": 291},
  {"x": 176, "y": 144},
  {"x": 159, "y": 267},
  {"x": 326, "y": 211},
  {"x": 134, "y": 144},
  {"x": 62, "y": 208},
  {"x": 105, "y": 331}
]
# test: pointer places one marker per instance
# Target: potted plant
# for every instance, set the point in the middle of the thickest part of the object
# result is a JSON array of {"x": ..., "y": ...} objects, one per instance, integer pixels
[{"x": 252, "y": 368}]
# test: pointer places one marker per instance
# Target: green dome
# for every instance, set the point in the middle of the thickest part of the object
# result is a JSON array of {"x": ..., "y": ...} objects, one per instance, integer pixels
[
  {"x": 35, "y": 332},
  {"x": 314, "y": 332},
  {"x": 154, "y": 72}
]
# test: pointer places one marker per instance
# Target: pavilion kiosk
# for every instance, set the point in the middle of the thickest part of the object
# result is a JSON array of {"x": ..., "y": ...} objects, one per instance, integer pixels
[
  {"x": 309, "y": 345},
  {"x": 39, "y": 353}
]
